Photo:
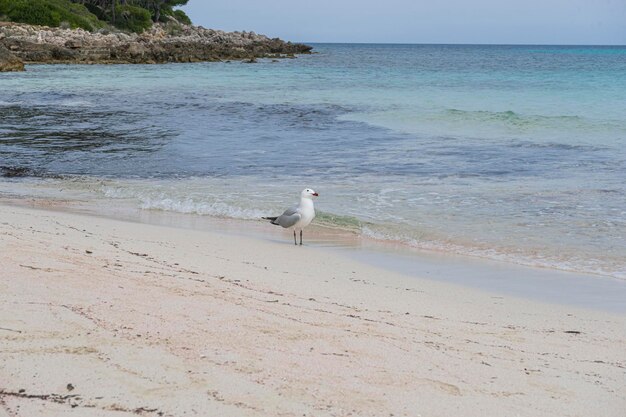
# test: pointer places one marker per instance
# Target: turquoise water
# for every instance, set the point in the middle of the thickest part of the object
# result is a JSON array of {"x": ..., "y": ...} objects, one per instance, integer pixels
[{"x": 515, "y": 153}]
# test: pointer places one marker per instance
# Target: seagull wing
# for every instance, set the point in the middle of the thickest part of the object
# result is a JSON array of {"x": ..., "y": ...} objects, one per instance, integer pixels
[{"x": 289, "y": 217}]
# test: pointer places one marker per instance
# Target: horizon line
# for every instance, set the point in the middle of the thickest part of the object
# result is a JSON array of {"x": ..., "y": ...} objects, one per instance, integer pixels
[{"x": 457, "y": 44}]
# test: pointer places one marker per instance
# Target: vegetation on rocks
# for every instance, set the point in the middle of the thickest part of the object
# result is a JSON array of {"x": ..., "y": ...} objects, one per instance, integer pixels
[
  {"x": 129, "y": 15},
  {"x": 133, "y": 18},
  {"x": 51, "y": 13}
]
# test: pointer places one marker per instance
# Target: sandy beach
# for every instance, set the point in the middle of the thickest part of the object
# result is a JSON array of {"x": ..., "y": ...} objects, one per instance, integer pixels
[{"x": 101, "y": 317}]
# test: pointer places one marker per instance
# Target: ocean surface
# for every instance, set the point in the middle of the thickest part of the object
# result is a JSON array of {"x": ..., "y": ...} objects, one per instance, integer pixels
[{"x": 515, "y": 153}]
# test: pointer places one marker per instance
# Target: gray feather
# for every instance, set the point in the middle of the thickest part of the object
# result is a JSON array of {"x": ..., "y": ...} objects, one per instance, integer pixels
[
  {"x": 290, "y": 211},
  {"x": 288, "y": 219}
]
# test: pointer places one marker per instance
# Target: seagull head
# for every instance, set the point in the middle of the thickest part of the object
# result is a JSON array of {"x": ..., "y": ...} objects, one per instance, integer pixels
[{"x": 308, "y": 193}]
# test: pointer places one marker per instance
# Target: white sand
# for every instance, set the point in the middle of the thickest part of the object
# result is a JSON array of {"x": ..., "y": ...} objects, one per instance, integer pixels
[{"x": 157, "y": 321}]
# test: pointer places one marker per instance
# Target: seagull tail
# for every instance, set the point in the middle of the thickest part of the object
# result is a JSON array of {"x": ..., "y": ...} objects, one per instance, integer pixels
[{"x": 271, "y": 219}]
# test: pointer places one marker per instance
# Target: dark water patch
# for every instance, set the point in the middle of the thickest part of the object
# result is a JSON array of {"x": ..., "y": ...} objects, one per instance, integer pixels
[
  {"x": 308, "y": 117},
  {"x": 240, "y": 138},
  {"x": 64, "y": 130},
  {"x": 16, "y": 172},
  {"x": 74, "y": 140}
]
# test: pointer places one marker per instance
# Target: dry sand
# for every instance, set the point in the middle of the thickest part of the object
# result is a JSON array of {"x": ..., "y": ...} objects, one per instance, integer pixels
[{"x": 106, "y": 318}]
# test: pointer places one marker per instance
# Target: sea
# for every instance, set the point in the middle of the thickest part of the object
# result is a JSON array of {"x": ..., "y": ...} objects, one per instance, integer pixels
[{"x": 511, "y": 153}]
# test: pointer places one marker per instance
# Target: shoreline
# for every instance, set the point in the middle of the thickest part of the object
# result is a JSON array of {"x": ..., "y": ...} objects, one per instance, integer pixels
[
  {"x": 550, "y": 255},
  {"x": 563, "y": 288},
  {"x": 116, "y": 318},
  {"x": 163, "y": 43}
]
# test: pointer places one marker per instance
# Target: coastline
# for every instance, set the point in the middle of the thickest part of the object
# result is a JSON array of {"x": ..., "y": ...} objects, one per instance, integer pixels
[
  {"x": 162, "y": 43},
  {"x": 170, "y": 320}
]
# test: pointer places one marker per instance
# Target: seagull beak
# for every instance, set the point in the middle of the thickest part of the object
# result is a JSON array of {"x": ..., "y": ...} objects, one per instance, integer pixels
[{"x": 316, "y": 194}]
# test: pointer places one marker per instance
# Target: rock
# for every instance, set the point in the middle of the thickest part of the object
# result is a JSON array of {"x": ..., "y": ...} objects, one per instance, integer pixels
[
  {"x": 9, "y": 62},
  {"x": 136, "y": 50},
  {"x": 160, "y": 44},
  {"x": 73, "y": 44},
  {"x": 14, "y": 172}
]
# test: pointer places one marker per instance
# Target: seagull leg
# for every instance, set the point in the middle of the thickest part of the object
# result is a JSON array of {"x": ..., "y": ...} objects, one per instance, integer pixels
[
  {"x": 300, "y": 237},
  {"x": 295, "y": 242}
]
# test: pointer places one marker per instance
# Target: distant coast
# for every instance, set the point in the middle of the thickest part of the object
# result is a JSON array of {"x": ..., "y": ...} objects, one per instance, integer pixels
[{"x": 162, "y": 43}]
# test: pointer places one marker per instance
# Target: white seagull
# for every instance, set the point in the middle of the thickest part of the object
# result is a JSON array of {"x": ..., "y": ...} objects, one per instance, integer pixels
[{"x": 298, "y": 217}]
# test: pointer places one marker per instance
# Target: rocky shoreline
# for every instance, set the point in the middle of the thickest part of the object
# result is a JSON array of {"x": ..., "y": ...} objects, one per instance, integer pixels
[
  {"x": 9, "y": 62},
  {"x": 163, "y": 43}
]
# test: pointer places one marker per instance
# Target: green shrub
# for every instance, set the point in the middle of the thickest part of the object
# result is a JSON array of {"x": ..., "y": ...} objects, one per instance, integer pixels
[
  {"x": 35, "y": 12},
  {"x": 97, "y": 11},
  {"x": 133, "y": 18},
  {"x": 79, "y": 16},
  {"x": 3, "y": 9},
  {"x": 182, "y": 17},
  {"x": 4, "y": 6},
  {"x": 49, "y": 13}
]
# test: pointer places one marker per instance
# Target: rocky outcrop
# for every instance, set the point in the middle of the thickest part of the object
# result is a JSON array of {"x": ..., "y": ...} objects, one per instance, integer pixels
[
  {"x": 162, "y": 43},
  {"x": 9, "y": 62}
]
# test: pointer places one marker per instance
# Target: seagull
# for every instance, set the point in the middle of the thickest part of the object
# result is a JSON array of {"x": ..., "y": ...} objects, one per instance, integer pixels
[{"x": 298, "y": 217}]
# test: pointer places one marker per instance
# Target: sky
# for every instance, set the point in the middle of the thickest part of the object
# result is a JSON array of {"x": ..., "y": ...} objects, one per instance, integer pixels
[{"x": 580, "y": 22}]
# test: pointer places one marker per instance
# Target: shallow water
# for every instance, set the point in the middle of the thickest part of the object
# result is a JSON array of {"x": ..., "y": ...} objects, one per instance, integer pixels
[{"x": 515, "y": 153}]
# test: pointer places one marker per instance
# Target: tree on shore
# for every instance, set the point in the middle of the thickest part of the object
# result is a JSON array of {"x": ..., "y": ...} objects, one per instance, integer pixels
[
  {"x": 130, "y": 15},
  {"x": 161, "y": 8},
  {"x": 158, "y": 8}
]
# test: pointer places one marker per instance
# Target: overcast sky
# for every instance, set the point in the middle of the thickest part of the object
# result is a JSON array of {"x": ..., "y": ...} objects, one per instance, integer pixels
[{"x": 421, "y": 21}]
